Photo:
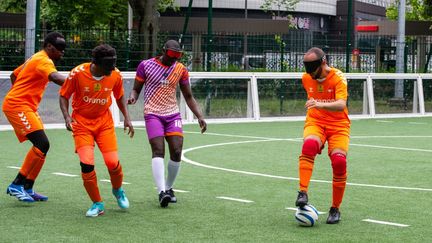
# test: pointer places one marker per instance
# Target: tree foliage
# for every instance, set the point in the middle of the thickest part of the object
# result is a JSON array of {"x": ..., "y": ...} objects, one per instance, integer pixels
[
  {"x": 85, "y": 14},
  {"x": 415, "y": 10},
  {"x": 280, "y": 5},
  {"x": 13, "y": 6}
]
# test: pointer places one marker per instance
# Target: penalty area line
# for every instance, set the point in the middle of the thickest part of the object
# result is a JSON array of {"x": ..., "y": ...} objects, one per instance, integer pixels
[
  {"x": 295, "y": 209},
  {"x": 235, "y": 199},
  {"x": 64, "y": 174},
  {"x": 385, "y": 222},
  {"x": 124, "y": 182},
  {"x": 13, "y": 167}
]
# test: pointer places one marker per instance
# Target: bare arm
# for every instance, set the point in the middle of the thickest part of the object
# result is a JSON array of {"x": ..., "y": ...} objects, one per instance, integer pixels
[
  {"x": 338, "y": 105},
  {"x": 127, "y": 124},
  {"x": 57, "y": 78},
  {"x": 12, "y": 78},
  {"x": 64, "y": 107},
  {"x": 193, "y": 105},
  {"x": 133, "y": 97}
]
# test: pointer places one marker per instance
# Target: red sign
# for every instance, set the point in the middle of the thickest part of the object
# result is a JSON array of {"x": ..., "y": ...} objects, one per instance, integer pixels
[
  {"x": 356, "y": 52},
  {"x": 367, "y": 28}
]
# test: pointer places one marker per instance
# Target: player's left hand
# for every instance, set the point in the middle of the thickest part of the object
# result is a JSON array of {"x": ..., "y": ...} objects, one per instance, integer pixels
[
  {"x": 203, "y": 125},
  {"x": 312, "y": 103},
  {"x": 128, "y": 126}
]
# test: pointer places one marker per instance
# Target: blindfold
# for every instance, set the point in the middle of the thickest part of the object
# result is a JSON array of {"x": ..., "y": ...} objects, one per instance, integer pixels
[
  {"x": 174, "y": 54},
  {"x": 107, "y": 63},
  {"x": 312, "y": 65},
  {"x": 59, "y": 44}
]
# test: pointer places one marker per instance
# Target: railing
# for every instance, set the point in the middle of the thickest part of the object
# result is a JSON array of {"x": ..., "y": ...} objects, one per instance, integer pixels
[{"x": 256, "y": 98}]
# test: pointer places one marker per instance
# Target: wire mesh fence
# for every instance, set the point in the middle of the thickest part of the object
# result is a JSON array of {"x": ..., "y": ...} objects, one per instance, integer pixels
[{"x": 229, "y": 51}]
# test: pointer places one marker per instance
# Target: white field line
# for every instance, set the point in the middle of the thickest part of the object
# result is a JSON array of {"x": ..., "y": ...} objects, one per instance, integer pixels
[
  {"x": 64, "y": 174},
  {"x": 392, "y": 136},
  {"x": 384, "y": 121},
  {"x": 13, "y": 167},
  {"x": 417, "y": 123},
  {"x": 295, "y": 209},
  {"x": 177, "y": 190},
  {"x": 185, "y": 159},
  {"x": 384, "y": 222},
  {"x": 235, "y": 199},
  {"x": 124, "y": 183}
]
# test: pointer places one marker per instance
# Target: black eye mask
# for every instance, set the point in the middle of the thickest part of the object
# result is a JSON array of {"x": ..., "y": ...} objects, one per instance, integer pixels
[
  {"x": 59, "y": 44},
  {"x": 107, "y": 63},
  {"x": 313, "y": 65}
]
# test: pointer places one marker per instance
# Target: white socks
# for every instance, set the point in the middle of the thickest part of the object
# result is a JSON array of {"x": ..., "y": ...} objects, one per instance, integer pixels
[
  {"x": 173, "y": 170},
  {"x": 159, "y": 173}
]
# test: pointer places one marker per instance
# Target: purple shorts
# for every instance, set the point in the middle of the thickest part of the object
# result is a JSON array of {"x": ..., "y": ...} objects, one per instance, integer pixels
[{"x": 161, "y": 126}]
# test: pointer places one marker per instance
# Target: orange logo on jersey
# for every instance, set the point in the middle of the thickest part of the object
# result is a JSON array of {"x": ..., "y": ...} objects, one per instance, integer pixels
[
  {"x": 320, "y": 88},
  {"x": 97, "y": 87}
]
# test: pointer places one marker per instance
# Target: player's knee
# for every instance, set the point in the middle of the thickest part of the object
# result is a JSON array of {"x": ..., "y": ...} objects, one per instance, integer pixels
[
  {"x": 86, "y": 168},
  {"x": 43, "y": 146},
  {"x": 40, "y": 141},
  {"x": 176, "y": 155},
  {"x": 86, "y": 155},
  {"x": 111, "y": 159},
  {"x": 310, "y": 147},
  {"x": 339, "y": 163}
]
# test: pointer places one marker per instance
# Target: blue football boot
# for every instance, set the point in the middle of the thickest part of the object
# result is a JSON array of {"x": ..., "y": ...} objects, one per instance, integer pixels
[
  {"x": 122, "y": 200},
  {"x": 19, "y": 192}
]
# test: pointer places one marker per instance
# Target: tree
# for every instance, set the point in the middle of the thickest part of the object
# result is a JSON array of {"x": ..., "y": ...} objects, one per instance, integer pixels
[
  {"x": 269, "y": 6},
  {"x": 13, "y": 6},
  {"x": 147, "y": 13},
  {"x": 416, "y": 10},
  {"x": 84, "y": 14}
]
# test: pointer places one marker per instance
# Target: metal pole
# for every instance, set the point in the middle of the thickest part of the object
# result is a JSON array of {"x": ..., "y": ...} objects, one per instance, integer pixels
[
  {"x": 129, "y": 36},
  {"x": 185, "y": 25},
  {"x": 37, "y": 26},
  {"x": 30, "y": 28},
  {"x": 209, "y": 35},
  {"x": 400, "y": 49},
  {"x": 348, "y": 40},
  {"x": 245, "y": 44}
]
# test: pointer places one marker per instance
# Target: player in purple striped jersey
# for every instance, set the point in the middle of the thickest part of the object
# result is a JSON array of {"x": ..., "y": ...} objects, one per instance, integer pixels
[{"x": 160, "y": 76}]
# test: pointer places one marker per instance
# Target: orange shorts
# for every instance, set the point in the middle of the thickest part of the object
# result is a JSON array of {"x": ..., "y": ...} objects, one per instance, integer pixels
[
  {"x": 24, "y": 122},
  {"x": 100, "y": 130},
  {"x": 337, "y": 137}
]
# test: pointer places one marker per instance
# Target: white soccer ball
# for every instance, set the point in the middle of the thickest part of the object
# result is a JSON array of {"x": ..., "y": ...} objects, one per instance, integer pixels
[{"x": 307, "y": 215}]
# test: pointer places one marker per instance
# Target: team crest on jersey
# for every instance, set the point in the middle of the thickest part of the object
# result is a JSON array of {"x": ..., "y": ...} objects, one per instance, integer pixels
[
  {"x": 320, "y": 88},
  {"x": 97, "y": 87}
]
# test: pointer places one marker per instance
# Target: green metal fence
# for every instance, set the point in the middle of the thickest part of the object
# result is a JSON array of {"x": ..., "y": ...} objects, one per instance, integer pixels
[{"x": 273, "y": 53}]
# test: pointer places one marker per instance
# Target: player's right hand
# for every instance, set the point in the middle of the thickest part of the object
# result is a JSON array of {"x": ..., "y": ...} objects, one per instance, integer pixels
[{"x": 69, "y": 123}]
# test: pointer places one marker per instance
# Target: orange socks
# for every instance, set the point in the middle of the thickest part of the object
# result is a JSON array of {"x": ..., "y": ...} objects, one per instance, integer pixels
[
  {"x": 33, "y": 163},
  {"x": 116, "y": 176},
  {"x": 91, "y": 186},
  {"x": 306, "y": 164},
  {"x": 339, "y": 183}
]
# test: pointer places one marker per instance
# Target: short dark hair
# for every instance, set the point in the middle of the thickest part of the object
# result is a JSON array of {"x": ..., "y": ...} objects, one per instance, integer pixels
[
  {"x": 318, "y": 52},
  {"x": 51, "y": 38},
  {"x": 172, "y": 45},
  {"x": 101, "y": 51}
]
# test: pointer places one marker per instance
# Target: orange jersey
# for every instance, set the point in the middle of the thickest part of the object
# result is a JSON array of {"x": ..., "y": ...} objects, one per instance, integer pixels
[
  {"x": 91, "y": 97},
  {"x": 333, "y": 88},
  {"x": 31, "y": 81}
]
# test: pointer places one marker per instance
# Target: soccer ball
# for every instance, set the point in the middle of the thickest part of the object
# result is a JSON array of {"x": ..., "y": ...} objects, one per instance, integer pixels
[{"x": 306, "y": 216}]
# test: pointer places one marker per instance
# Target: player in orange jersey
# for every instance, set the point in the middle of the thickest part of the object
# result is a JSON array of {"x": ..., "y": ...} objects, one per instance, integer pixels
[
  {"x": 20, "y": 107},
  {"x": 326, "y": 120},
  {"x": 91, "y": 85}
]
